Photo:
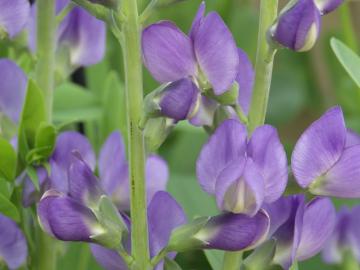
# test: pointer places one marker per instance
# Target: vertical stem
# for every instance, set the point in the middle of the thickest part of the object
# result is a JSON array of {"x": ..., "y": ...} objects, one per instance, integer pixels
[
  {"x": 264, "y": 65},
  {"x": 46, "y": 24},
  {"x": 349, "y": 33},
  {"x": 263, "y": 74},
  {"x": 134, "y": 104}
]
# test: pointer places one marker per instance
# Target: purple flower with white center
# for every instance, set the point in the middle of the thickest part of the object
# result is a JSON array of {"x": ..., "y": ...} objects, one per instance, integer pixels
[
  {"x": 243, "y": 173},
  {"x": 326, "y": 158},
  {"x": 298, "y": 26},
  {"x": 345, "y": 238},
  {"x": 301, "y": 229},
  {"x": 13, "y": 83},
  {"x": 13, "y": 17},
  {"x": 13, "y": 248},
  {"x": 80, "y": 36}
]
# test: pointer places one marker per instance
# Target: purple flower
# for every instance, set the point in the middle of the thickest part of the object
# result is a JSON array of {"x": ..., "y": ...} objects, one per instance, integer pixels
[
  {"x": 326, "y": 158},
  {"x": 243, "y": 173},
  {"x": 80, "y": 36},
  {"x": 345, "y": 238},
  {"x": 13, "y": 248},
  {"x": 13, "y": 17},
  {"x": 300, "y": 229},
  {"x": 298, "y": 26},
  {"x": 205, "y": 59},
  {"x": 13, "y": 83}
]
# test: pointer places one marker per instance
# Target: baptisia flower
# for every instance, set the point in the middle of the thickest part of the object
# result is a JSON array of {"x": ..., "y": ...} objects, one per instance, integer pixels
[
  {"x": 300, "y": 229},
  {"x": 326, "y": 158},
  {"x": 298, "y": 25},
  {"x": 345, "y": 238},
  {"x": 243, "y": 173},
  {"x": 80, "y": 36},
  {"x": 13, "y": 17},
  {"x": 207, "y": 61},
  {"x": 13, "y": 248}
]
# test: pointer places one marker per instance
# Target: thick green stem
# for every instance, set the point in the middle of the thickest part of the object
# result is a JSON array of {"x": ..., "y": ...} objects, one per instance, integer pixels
[
  {"x": 46, "y": 34},
  {"x": 232, "y": 260},
  {"x": 134, "y": 104},
  {"x": 264, "y": 65}
]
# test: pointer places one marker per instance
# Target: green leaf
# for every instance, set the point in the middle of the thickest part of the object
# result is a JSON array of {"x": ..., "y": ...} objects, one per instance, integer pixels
[
  {"x": 7, "y": 160},
  {"x": 348, "y": 58},
  {"x": 5, "y": 188},
  {"x": 31, "y": 171},
  {"x": 74, "y": 103},
  {"x": 171, "y": 265},
  {"x": 8, "y": 209}
]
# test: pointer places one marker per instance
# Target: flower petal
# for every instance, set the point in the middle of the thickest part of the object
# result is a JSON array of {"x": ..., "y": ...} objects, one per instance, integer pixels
[
  {"x": 319, "y": 147},
  {"x": 65, "y": 218},
  {"x": 107, "y": 258},
  {"x": 318, "y": 225},
  {"x": 354, "y": 232},
  {"x": 224, "y": 146},
  {"x": 157, "y": 176},
  {"x": 66, "y": 143},
  {"x": 240, "y": 188},
  {"x": 13, "y": 83},
  {"x": 14, "y": 15},
  {"x": 216, "y": 52},
  {"x": 269, "y": 155},
  {"x": 235, "y": 232},
  {"x": 245, "y": 78},
  {"x": 352, "y": 138},
  {"x": 167, "y": 52},
  {"x": 327, "y": 6},
  {"x": 197, "y": 20},
  {"x": 164, "y": 215},
  {"x": 13, "y": 247},
  {"x": 343, "y": 179},
  {"x": 206, "y": 112}
]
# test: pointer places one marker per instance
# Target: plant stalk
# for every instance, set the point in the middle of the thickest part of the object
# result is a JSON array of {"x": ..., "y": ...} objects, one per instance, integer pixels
[
  {"x": 232, "y": 260},
  {"x": 134, "y": 105}
]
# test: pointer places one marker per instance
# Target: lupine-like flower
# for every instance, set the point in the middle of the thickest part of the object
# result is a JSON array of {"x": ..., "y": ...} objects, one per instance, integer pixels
[
  {"x": 13, "y": 17},
  {"x": 326, "y": 158},
  {"x": 301, "y": 229},
  {"x": 345, "y": 238},
  {"x": 298, "y": 25},
  {"x": 243, "y": 173},
  {"x": 13, "y": 83},
  {"x": 80, "y": 36},
  {"x": 13, "y": 248},
  {"x": 166, "y": 217},
  {"x": 205, "y": 60}
]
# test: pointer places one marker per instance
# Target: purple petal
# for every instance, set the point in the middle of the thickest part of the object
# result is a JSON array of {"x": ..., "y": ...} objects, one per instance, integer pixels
[
  {"x": 29, "y": 193},
  {"x": 245, "y": 78},
  {"x": 164, "y": 215},
  {"x": 318, "y": 225},
  {"x": 197, "y": 20},
  {"x": 319, "y": 147},
  {"x": 13, "y": 247},
  {"x": 157, "y": 176},
  {"x": 352, "y": 138},
  {"x": 354, "y": 232},
  {"x": 179, "y": 99},
  {"x": 13, "y": 83},
  {"x": 14, "y": 15},
  {"x": 206, "y": 112},
  {"x": 240, "y": 188},
  {"x": 66, "y": 143},
  {"x": 343, "y": 179},
  {"x": 216, "y": 52},
  {"x": 227, "y": 144},
  {"x": 299, "y": 26},
  {"x": 83, "y": 184},
  {"x": 167, "y": 52},
  {"x": 235, "y": 232},
  {"x": 269, "y": 155},
  {"x": 327, "y": 6},
  {"x": 107, "y": 258},
  {"x": 65, "y": 218}
]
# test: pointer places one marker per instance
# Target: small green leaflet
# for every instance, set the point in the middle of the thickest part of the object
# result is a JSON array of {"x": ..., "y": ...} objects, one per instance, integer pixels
[
  {"x": 7, "y": 160},
  {"x": 8, "y": 209}
]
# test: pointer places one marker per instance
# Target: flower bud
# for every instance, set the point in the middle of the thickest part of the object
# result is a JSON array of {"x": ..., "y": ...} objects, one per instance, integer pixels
[{"x": 298, "y": 26}]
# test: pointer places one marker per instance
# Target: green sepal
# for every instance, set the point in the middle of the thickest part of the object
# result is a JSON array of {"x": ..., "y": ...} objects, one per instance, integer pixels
[
  {"x": 156, "y": 131},
  {"x": 230, "y": 97},
  {"x": 151, "y": 102},
  {"x": 294, "y": 266},
  {"x": 261, "y": 257},
  {"x": 171, "y": 264},
  {"x": 7, "y": 160}
]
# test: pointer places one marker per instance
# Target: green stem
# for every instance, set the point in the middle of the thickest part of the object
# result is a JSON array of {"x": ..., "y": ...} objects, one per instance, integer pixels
[
  {"x": 232, "y": 260},
  {"x": 46, "y": 252},
  {"x": 134, "y": 104},
  {"x": 264, "y": 65},
  {"x": 348, "y": 27},
  {"x": 46, "y": 34}
]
